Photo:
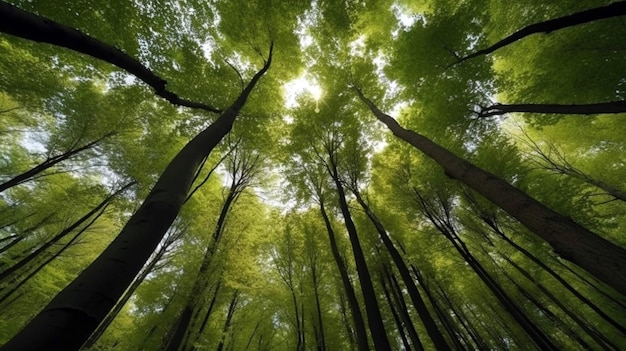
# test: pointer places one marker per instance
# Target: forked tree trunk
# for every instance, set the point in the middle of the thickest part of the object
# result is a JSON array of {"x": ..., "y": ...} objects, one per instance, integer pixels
[
  {"x": 598, "y": 256},
  {"x": 76, "y": 311},
  {"x": 612, "y": 10}
]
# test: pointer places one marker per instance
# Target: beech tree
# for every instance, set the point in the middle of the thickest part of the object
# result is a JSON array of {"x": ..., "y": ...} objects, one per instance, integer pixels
[{"x": 445, "y": 226}]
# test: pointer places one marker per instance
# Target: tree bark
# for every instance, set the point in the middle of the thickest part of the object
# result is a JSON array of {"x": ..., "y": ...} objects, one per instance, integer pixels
[
  {"x": 443, "y": 224},
  {"x": 147, "y": 269},
  {"x": 357, "y": 316},
  {"x": 75, "y": 312},
  {"x": 578, "y": 109},
  {"x": 612, "y": 10},
  {"x": 573, "y": 242},
  {"x": 374, "y": 317},
  {"x": 26, "y": 25}
]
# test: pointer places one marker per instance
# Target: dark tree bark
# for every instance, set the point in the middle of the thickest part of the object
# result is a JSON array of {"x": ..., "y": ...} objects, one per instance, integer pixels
[
  {"x": 232, "y": 307},
  {"x": 24, "y": 261},
  {"x": 573, "y": 242},
  {"x": 26, "y": 25},
  {"x": 612, "y": 10},
  {"x": 396, "y": 317},
  {"x": 73, "y": 314},
  {"x": 48, "y": 163},
  {"x": 357, "y": 316},
  {"x": 418, "y": 302},
  {"x": 579, "y": 109},
  {"x": 147, "y": 269},
  {"x": 374, "y": 317}
]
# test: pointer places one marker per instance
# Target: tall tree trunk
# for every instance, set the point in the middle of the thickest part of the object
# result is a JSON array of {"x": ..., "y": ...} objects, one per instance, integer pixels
[
  {"x": 443, "y": 224},
  {"x": 612, "y": 10},
  {"x": 49, "y": 162},
  {"x": 40, "y": 29},
  {"x": 419, "y": 304},
  {"x": 579, "y": 109},
  {"x": 492, "y": 222},
  {"x": 75, "y": 312},
  {"x": 396, "y": 317},
  {"x": 570, "y": 240},
  {"x": 147, "y": 269},
  {"x": 374, "y": 317},
  {"x": 24, "y": 261},
  {"x": 229, "y": 317},
  {"x": 357, "y": 316}
]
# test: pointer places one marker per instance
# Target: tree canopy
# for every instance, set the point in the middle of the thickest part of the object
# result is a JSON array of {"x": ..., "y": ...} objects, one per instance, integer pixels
[{"x": 323, "y": 175}]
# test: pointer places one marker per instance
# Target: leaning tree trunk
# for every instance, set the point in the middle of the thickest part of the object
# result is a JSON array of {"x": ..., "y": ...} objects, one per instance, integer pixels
[
  {"x": 76, "y": 311},
  {"x": 573, "y": 242},
  {"x": 613, "y": 10},
  {"x": 48, "y": 163},
  {"x": 24, "y": 261},
  {"x": 33, "y": 27},
  {"x": 576, "y": 109}
]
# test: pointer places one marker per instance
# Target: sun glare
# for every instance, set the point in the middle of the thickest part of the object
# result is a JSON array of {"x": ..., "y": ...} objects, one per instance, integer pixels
[{"x": 299, "y": 86}]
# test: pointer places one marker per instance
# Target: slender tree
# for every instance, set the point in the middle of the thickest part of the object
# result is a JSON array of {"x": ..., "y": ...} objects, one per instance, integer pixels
[
  {"x": 574, "y": 109},
  {"x": 615, "y": 9}
]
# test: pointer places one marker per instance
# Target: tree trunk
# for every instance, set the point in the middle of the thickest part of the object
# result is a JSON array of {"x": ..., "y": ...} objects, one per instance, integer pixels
[
  {"x": 444, "y": 225},
  {"x": 147, "y": 269},
  {"x": 229, "y": 317},
  {"x": 183, "y": 326},
  {"x": 419, "y": 304},
  {"x": 48, "y": 163},
  {"x": 374, "y": 317},
  {"x": 21, "y": 263},
  {"x": 491, "y": 221},
  {"x": 596, "y": 255},
  {"x": 612, "y": 10},
  {"x": 50, "y": 259},
  {"x": 357, "y": 316},
  {"x": 581, "y": 109},
  {"x": 40, "y": 29},
  {"x": 396, "y": 316},
  {"x": 75, "y": 312}
]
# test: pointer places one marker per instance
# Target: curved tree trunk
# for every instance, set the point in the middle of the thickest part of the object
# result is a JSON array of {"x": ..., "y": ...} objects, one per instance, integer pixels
[
  {"x": 76, "y": 311},
  {"x": 612, "y": 10},
  {"x": 573, "y": 242},
  {"x": 40, "y": 29}
]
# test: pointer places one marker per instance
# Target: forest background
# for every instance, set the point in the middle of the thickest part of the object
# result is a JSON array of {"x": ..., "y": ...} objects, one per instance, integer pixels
[{"x": 294, "y": 219}]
